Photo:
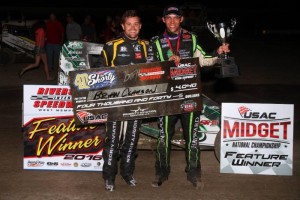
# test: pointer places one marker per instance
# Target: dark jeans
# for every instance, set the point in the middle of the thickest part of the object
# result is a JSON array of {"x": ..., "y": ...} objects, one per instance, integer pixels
[{"x": 53, "y": 53}]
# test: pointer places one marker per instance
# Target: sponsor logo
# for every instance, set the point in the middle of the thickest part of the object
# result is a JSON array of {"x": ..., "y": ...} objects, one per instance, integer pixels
[
  {"x": 123, "y": 55},
  {"x": 75, "y": 52},
  {"x": 139, "y": 112},
  {"x": 35, "y": 163},
  {"x": 98, "y": 80},
  {"x": 138, "y": 55},
  {"x": 88, "y": 117},
  {"x": 75, "y": 45},
  {"x": 52, "y": 163},
  {"x": 150, "y": 73},
  {"x": 256, "y": 124},
  {"x": 75, "y": 164},
  {"x": 183, "y": 71},
  {"x": 208, "y": 122},
  {"x": 163, "y": 40},
  {"x": 65, "y": 164},
  {"x": 86, "y": 164},
  {"x": 96, "y": 49},
  {"x": 137, "y": 48},
  {"x": 186, "y": 36},
  {"x": 248, "y": 114},
  {"x": 188, "y": 106},
  {"x": 123, "y": 49}
]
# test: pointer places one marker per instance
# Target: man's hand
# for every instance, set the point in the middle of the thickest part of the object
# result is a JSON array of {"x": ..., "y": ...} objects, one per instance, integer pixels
[
  {"x": 223, "y": 49},
  {"x": 175, "y": 58}
]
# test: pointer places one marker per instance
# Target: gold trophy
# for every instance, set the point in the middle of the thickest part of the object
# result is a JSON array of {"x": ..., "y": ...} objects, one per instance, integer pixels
[{"x": 226, "y": 67}]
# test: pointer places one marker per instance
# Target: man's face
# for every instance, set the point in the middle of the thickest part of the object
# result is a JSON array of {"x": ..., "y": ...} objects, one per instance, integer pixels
[
  {"x": 172, "y": 22},
  {"x": 132, "y": 27}
]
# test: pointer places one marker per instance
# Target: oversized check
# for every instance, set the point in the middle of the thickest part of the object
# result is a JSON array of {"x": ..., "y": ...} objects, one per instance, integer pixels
[{"x": 135, "y": 91}]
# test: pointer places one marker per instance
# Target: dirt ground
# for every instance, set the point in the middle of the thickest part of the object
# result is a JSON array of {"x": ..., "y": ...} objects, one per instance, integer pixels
[{"x": 268, "y": 75}]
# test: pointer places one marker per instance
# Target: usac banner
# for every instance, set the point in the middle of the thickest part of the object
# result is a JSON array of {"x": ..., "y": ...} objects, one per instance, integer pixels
[{"x": 257, "y": 138}]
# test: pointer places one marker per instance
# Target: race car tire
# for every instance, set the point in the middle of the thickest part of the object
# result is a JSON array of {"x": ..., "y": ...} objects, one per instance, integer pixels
[
  {"x": 7, "y": 56},
  {"x": 217, "y": 146}
]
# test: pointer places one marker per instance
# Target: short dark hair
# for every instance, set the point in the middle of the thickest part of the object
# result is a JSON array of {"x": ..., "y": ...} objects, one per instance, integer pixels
[
  {"x": 39, "y": 24},
  {"x": 130, "y": 13}
]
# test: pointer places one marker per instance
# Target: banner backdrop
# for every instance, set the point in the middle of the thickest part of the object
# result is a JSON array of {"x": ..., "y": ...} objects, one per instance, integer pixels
[
  {"x": 136, "y": 91},
  {"x": 51, "y": 140},
  {"x": 257, "y": 138}
]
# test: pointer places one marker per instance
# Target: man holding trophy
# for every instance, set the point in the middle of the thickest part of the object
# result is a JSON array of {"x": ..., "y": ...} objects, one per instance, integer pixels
[{"x": 175, "y": 44}]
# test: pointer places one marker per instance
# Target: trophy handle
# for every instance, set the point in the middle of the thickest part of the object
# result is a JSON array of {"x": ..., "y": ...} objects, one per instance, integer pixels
[
  {"x": 230, "y": 29},
  {"x": 211, "y": 27},
  {"x": 233, "y": 23}
]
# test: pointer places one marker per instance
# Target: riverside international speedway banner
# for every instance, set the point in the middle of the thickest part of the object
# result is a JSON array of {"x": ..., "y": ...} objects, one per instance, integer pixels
[
  {"x": 136, "y": 91},
  {"x": 257, "y": 138},
  {"x": 51, "y": 139}
]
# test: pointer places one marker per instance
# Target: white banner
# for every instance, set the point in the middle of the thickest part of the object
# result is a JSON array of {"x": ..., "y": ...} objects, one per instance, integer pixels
[
  {"x": 51, "y": 139},
  {"x": 257, "y": 138}
]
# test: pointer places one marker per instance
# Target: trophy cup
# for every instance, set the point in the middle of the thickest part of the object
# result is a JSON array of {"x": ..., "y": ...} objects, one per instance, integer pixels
[{"x": 227, "y": 66}]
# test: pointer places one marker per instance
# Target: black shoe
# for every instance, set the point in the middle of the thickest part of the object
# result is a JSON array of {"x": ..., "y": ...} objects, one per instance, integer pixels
[
  {"x": 196, "y": 181},
  {"x": 158, "y": 181},
  {"x": 109, "y": 185},
  {"x": 130, "y": 180}
]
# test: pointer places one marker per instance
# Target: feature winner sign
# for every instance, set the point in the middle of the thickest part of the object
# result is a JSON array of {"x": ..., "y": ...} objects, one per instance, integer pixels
[
  {"x": 257, "y": 138},
  {"x": 136, "y": 91},
  {"x": 51, "y": 139}
]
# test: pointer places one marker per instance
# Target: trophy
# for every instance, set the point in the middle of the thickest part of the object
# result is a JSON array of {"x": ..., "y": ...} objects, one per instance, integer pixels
[{"x": 227, "y": 66}]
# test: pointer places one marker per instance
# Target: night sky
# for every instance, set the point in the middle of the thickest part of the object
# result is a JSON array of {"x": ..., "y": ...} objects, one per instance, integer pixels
[{"x": 252, "y": 16}]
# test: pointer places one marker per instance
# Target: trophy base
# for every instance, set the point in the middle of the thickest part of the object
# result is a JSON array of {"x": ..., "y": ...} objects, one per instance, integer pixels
[{"x": 227, "y": 68}]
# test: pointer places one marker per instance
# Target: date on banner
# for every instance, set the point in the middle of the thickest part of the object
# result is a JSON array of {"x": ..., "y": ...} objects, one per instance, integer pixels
[{"x": 135, "y": 91}]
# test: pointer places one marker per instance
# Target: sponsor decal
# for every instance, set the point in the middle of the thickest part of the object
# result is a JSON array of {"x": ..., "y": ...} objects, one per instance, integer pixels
[
  {"x": 150, "y": 73},
  {"x": 208, "y": 122},
  {"x": 163, "y": 40},
  {"x": 98, "y": 165},
  {"x": 75, "y": 45},
  {"x": 188, "y": 106},
  {"x": 75, "y": 52},
  {"x": 87, "y": 117},
  {"x": 65, "y": 164},
  {"x": 140, "y": 112},
  {"x": 186, "y": 36},
  {"x": 123, "y": 49},
  {"x": 52, "y": 163},
  {"x": 86, "y": 164},
  {"x": 96, "y": 49},
  {"x": 138, "y": 55},
  {"x": 36, "y": 163},
  {"x": 96, "y": 80},
  {"x": 137, "y": 48},
  {"x": 123, "y": 55},
  {"x": 183, "y": 71},
  {"x": 266, "y": 127}
]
